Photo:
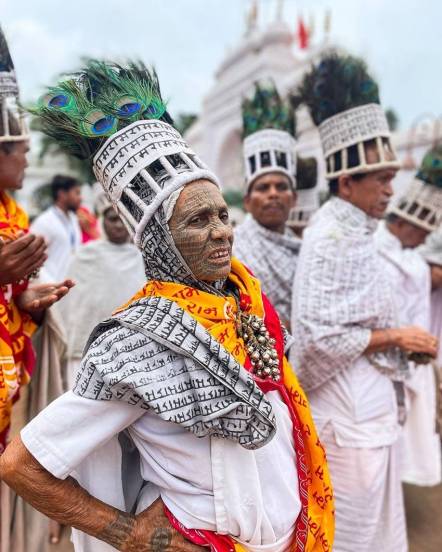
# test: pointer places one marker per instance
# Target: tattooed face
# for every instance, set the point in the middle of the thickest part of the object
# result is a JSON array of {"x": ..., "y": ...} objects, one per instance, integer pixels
[{"x": 202, "y": 232}]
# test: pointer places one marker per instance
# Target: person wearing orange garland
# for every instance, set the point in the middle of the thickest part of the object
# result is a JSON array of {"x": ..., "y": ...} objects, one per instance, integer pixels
[
  {"x": 21, "y": 255},
  {"x": 187, "y": 427}
]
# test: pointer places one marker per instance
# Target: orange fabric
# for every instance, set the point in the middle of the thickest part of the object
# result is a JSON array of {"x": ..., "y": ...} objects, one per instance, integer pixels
[
  {"x": 218, "y": 316},
  {"x": 16, "y": 327}
]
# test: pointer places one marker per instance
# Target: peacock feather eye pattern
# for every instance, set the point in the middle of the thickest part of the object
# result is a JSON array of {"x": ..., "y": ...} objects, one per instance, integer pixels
[
  {"x": 58, "y": 99},
  {"x": 155, "y": 109},
  {"x": 128, "y": 107},
  {"x": 89, "y": 105},
  {"x": 97, "y": 123},
  {"x": 430, "y": 170}
]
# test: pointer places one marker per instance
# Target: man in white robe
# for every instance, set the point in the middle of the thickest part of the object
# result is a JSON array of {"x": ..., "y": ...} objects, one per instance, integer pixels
[
  {"x": 431, "y": 251},
  {"x": 263, "y": 242},
  {"x": 349, "y": 348},
  {"x": 60, "y": 227},
  {"x": 397, "y": 240}
]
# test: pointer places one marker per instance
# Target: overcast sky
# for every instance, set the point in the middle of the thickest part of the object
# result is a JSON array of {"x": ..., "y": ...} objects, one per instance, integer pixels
[{"x": 187, "y": 39}]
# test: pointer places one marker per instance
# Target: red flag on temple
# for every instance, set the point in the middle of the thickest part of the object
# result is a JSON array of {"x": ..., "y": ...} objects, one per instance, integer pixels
[{"x": 302, "y": 34}]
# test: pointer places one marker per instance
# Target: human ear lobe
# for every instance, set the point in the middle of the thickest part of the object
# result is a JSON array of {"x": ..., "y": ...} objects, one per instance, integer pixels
[{"x": 344, "y": 186}]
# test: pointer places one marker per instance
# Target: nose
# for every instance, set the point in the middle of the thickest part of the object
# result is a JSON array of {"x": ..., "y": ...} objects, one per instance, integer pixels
[
  {"x": 221, "y": 231},
  {"x": 273, "y": 192},
  {"x": 389, "y": 189}
]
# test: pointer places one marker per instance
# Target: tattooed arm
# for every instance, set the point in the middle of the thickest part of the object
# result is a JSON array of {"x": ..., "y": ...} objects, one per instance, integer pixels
[{"x": 69, "y": 504}]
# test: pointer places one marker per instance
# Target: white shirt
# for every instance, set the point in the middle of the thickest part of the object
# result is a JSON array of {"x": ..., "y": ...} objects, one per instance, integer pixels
[
  {"x": 63, "y": 235},
  {"x": 207, "y": 483}
]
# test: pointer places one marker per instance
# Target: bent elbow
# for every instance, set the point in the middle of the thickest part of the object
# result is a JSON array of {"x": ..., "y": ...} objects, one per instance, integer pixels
[
  {"x": 11, "y": 461},
  {"x": 7, "y": 466}
]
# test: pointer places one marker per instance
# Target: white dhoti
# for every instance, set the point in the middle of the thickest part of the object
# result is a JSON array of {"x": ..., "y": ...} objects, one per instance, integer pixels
[
  {"x": 420, "y": 444},
  {"x": 368, "y": 497}
]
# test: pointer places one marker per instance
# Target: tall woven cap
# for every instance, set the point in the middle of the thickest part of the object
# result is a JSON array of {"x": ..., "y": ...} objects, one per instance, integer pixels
[
  {"x": 352, "y": 128},
  {"x": 422, "y": 202},
  {"x": 9, "y": 96},
  {"x": 268, "y": 130},
  {"x": 343, "y": 101},
  {"x": 269, "y": 151},
  {"x": 115, "y": 117},
  {"x": 421, "y": 205},
  {"x": 148, "y": 153}
]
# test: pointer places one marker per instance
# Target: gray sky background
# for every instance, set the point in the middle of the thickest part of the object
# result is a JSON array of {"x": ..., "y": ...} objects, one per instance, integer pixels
[{"x": 187, "y": 39}]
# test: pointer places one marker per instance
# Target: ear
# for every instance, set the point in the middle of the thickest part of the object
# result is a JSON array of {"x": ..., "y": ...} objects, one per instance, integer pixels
[
  {"x": 294, "y": 199},
  {"x": 344, "y": 186},
  {"x": 246, "y": 203}
]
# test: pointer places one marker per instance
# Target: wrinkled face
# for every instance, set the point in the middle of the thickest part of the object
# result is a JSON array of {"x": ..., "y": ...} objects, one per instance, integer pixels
[
  {"x": 202, "y": 232},
  {"x": 373, "y": 192},
  {"x": 113, "y": 227},
  {"x": 270, "y": 199},
  {"x": 13, "y": 165}
]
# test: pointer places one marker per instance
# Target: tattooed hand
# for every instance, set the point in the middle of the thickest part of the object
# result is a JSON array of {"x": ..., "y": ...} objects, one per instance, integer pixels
[
  {"x": 152, "y": 532},
  {"x": 67, "y": 503}
]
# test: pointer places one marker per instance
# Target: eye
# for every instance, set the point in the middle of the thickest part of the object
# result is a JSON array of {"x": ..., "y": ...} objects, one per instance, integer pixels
[
  {"x": 282, "y": 187},
  {"x": 224, "y": 216},
  {"x": 195, "y": 220}
]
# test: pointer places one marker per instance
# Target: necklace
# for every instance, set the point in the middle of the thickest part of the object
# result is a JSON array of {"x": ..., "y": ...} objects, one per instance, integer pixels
[{"x": 259, "y": 345}]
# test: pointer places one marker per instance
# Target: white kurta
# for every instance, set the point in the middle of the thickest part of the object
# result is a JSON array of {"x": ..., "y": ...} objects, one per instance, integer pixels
[
  {"x": 63, "y": 235},
  {"x": 411, "y": 281},
  {"x": 340, "y": 296},
  {"x": 207, "y": 483}
]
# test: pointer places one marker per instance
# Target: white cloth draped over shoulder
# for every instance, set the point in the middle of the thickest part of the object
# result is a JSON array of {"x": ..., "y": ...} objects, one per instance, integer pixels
[
  {"x": 411, "y": 281},
  {"x": 272, "y": 257},
  {"x": 340, "y": 295}
]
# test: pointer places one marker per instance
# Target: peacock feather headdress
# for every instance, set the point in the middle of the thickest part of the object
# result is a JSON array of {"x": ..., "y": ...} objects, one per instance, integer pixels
[
  {"x": 114, "y": 115},
  {"x": 88, "y": 106},
  {"x": 337, "y": 83},
  {"x": 430, "y": 170},
  {"x": 266, "y": 109},
  {"x": 343, "y": 100},
  {"x": 268, "y": 131}
]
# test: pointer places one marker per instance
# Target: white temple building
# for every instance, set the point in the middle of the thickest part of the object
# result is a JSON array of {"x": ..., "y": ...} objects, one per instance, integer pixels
[{"x": 261, "y": 54}]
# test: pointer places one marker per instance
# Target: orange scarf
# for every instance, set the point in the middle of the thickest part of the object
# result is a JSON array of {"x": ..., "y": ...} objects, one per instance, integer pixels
[
  {"x": 16, "y": 327},
  {"x": 218, "y": 316}
]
